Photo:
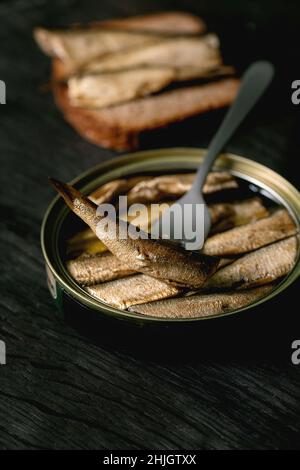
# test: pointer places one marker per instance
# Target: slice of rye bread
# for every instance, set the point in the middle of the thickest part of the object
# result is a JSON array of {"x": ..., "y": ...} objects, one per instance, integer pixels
[{"x": 121, "y": 126}]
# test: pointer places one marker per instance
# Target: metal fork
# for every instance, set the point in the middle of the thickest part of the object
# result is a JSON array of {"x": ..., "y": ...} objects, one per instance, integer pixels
[{"x": 254, "y": 82}]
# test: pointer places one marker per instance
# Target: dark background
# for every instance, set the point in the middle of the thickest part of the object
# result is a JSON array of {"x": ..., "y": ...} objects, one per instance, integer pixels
[{"x": 60, "y": 390}]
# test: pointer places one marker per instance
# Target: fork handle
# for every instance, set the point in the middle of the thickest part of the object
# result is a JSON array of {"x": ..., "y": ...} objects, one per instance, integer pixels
[{"x": 254, "y": 82}]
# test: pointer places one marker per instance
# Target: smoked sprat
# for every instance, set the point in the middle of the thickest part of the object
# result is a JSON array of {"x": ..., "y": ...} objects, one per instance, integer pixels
[{"x": 250, "y": 248}]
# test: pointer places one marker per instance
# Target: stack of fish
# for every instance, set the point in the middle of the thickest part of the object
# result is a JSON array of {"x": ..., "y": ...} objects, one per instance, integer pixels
[{"x": 249, "y": 249}]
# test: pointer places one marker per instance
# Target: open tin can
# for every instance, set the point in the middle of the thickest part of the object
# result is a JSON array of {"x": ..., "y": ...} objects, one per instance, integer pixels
[{"x": 93, "y": 317}]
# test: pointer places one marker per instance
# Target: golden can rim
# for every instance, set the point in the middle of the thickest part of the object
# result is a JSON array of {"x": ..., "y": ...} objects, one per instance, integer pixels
[{"x": 252, "y": 171}]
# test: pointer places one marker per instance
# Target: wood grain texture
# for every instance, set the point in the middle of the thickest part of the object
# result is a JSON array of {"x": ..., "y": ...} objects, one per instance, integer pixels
[{"x": 59, "y": 390}]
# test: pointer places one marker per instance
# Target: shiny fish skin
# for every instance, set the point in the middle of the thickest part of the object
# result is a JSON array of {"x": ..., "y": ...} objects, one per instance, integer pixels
[
  {"x": 248, "y": 211},
  {"x": 221, "y": 214},
  {"x": 201, "y": 305},
  {"x": 109, "y": 191},
  {"x": 98, "y": 91},
  {"x": 259, "y": 267},
  {"x": 88, "y": 270},
  {"x": 101, "y": 90},
  {"x": 252, "y": 236},
  {"x": 132, "y": 290},
  {"x": 87, "y": 242},
  {"x": 93, "y": 269},
  {"x": 181, "y": 54},
  {"x": 173, "y": 186},
  {"x": 160, "y": 260},
  {"x": 77, "y": 46},
  {"x": 225, "y": 216},
  {"x": 164, "y": 261}
]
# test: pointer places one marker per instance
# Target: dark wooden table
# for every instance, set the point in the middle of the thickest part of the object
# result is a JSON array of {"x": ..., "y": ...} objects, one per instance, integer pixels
[{"x": 58, "y": 389}]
